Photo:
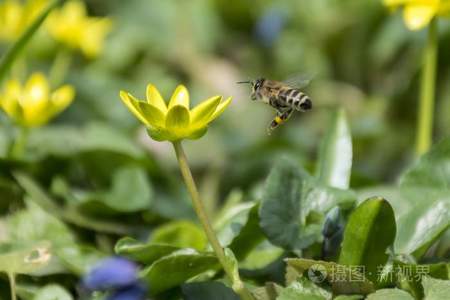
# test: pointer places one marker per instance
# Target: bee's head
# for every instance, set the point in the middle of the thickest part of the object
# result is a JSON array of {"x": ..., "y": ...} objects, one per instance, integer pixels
[{"x": 256, "y": 86}]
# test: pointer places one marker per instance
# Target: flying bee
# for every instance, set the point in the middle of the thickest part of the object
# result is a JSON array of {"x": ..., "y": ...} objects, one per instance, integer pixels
[{"x": 281, "y": 96}]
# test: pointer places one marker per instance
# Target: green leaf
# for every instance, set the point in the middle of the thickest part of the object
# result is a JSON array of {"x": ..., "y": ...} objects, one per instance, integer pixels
[
  {"x": 427, "y": 185},
  {"x": 320, "y": 198},
  {"x": 66, "y": 141},
  {"x": 233, "y": 266},
  {"x": 349, "y": 297},
  {"x": 79, "y": 259},
  {"x": 14, "y": 51},
  {"x": 335, "y": 158},
  {"x": 424, "y": 223},
  {"x": 52, "y": 292},
  {"x": 181, "y": 234},
  {"x": 369, "y": 232},
  {"x": 207, "y": 291},
  {"x": 144, "y": 253},
  {"x": 409, "y": 276},
  {"x": 304, "y": 290},
  {"x": 280, "y": 211},
  {"x": 391, "y": 294},
  {"x": 33, "y": 224},
  {"x": 130, "y": 183},
  {"x": 262, "y": 256},
  {"x": 421, "y": 213},
  {"x": 436, "y": 289},
  {"x": 344, "y": 279},
  {"x": 270, "y": 291},
  {"x": 25, "y": 260},
  {"x": 432, "y": 170},
  {"x": 231, "y": 220},
  {"x": 239, "y": 229},
  {"x": 177, "y": 267},
  {"x": 38, "y": 196}
]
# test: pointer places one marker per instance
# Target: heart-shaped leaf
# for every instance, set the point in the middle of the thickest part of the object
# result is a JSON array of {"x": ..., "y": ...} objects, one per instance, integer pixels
[
  {"x": 343, "y": 279},
  {"x": 280, "y": 211},
  {"x": 177, "y": 267}
]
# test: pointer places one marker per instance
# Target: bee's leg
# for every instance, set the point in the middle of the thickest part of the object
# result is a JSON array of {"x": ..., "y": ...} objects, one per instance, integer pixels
[{"x": 281, "y": 117}]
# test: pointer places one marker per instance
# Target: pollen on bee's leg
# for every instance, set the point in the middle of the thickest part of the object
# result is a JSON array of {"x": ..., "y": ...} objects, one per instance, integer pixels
[{"x": 274, "y": 124}]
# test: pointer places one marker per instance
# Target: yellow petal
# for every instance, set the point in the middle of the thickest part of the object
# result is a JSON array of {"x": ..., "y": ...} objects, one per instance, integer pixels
[
  {"x": 133, "y": 106},
  {"x": 93, "y": 36},
  {"x": 152, "y": 114},
  {"x": 9, "y": 100},
  {"x": 177, "y": 118},
  {"x": 220, "y": 109},
  {"x": 197, "y": 133},
  {"x": 444, "y": 9},
  {"x": 36, "y": 99},
  {"x": 395, "y": 3},
  {"x": 158, "y": 134},
  {"x": 180, "y": 97},
  {"x": 11, "y": 19},
  {"x": 61, "y": 98},
  {"x": 202, "y": 112},
  {"x": 154, "y": 98},
  {"x": 74, "y": 10},
  {"x": 418, "y": 16}
]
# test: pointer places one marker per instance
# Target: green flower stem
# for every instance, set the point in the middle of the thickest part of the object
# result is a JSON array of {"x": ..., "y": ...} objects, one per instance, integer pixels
[
  {"x": 427, "y": 92},
  {"x": 12, "y": 285},
  {"x": 60, "y": 67},
  {"x": 14, "y": 51},
  {"x": 18, "y": 147},
  {"x": 199, "y": 208}
]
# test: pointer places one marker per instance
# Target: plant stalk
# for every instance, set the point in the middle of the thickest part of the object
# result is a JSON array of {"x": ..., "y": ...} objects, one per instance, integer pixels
[
  {"x": 12, "y": 285},
  {"x": 199, "y": 208},
  {"x": 60, "y": 67},
  {"x": 19, "y": 145},
  {"x": 427, "y": 92}
]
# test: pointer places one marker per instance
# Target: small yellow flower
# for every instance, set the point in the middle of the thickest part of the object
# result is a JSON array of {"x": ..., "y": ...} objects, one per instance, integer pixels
[
  {"x": 175, "y": 121},
  {"x": 33, "y": 104},
  {"x": 418, "y": 13},
  {"x": 15, "y": 17},
  {"x": 71, "y": 26}
]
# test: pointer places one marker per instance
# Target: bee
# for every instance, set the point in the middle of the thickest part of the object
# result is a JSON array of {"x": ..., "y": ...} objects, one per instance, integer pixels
[{"x": 281, "y": 96}]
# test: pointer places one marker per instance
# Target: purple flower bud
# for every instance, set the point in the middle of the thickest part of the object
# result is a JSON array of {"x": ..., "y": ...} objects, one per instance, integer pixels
[
  {"x": 111, "y": 273},
  {"x": 136, "y": 291}
]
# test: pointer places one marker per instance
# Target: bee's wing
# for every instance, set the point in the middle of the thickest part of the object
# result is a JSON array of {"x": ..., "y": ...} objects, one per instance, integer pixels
[{"x": 299, "y": 80}]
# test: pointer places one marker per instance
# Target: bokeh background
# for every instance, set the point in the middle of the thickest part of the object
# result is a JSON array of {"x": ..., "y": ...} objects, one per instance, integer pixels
[{"x": 359, "y": 55}]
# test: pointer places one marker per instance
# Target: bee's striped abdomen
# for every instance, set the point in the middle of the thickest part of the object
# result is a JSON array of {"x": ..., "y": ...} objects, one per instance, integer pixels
[{"x": 296, "y": 99}]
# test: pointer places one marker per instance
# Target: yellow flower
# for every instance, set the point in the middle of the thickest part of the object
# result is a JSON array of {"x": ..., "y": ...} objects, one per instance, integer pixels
[
  {"x": 15, "y": 17},
  {"x": 71, "y": 26},
  {"x": 418, "y": 13},
  {"x": 33, "y": 104},
  {"x": 174, "y": 121}
]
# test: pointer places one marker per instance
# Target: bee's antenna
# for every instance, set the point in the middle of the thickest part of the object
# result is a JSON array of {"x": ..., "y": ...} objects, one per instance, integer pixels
[{"x": 248, "y": 81}]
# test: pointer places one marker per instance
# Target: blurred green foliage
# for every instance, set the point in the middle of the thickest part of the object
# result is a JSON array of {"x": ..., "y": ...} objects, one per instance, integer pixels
[{"x": 92, "y": 176}]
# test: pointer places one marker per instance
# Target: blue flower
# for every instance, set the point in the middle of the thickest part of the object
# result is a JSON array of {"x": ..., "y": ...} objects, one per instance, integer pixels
[
  {"x": 111, "y": 273},
  {"x": 269, "y": 26},
  {"x": 333, "y": 232},
  {"x": 136, "y": 291}
]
